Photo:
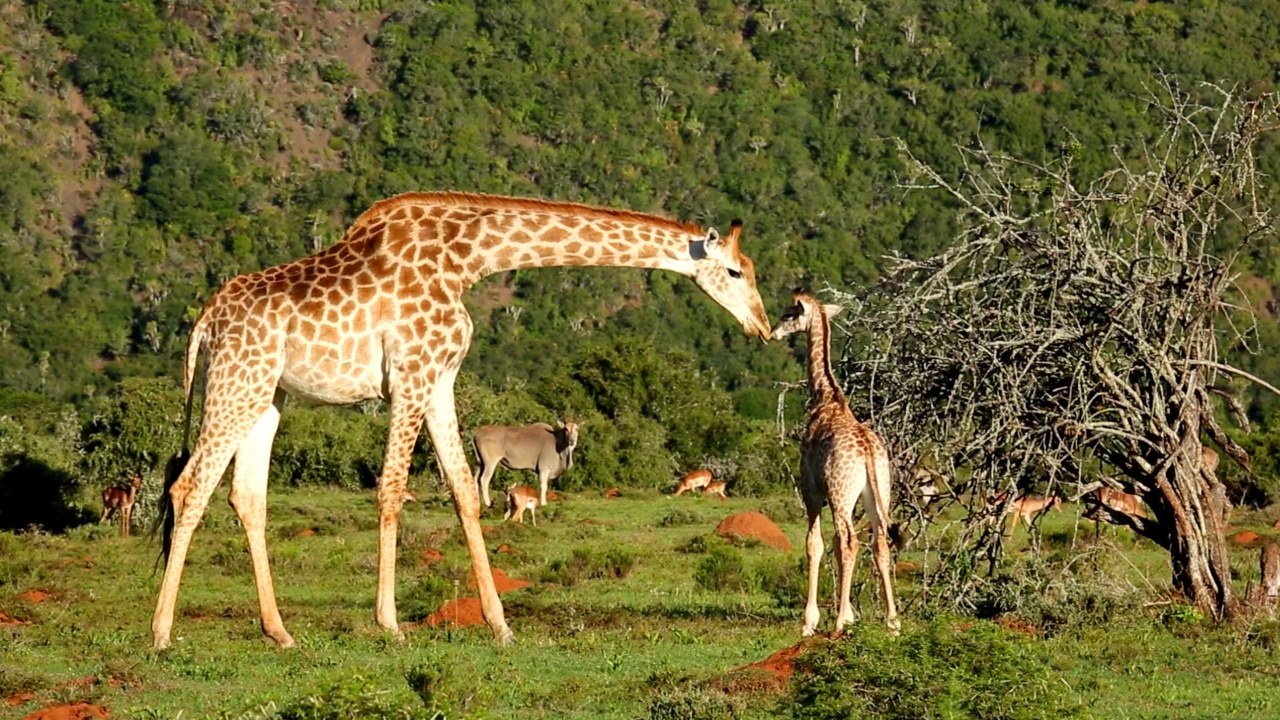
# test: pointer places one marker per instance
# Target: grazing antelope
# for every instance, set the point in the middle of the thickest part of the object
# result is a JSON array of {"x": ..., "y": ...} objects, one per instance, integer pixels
[
  {"x": 695, "y": 480},
  {"x": 1119, "y": 501},
  {"x": 842, "y": 461},
  {"x": 1027, "y": 507},
  {"x": 519, "y": 499},
  {"x": 716, "y": 487},
  {"x": 538, "y": 447},
  {"x": 120, "y": 498},
  {"x": 1112, "y": 500}
]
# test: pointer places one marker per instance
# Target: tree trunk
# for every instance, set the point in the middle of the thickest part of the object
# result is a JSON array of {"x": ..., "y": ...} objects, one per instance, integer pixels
[{"x": 1185, "y": 502}]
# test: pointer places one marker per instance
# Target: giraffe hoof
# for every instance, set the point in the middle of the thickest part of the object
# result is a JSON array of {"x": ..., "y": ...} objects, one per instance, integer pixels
[
  {"x": 161, "y": 643},
  {"x": 807, "y": 632},
  {"x": 504, "y": 637}
]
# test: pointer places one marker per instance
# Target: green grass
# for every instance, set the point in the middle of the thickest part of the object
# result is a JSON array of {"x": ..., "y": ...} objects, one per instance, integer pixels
[{"x": 594, "y": 642}]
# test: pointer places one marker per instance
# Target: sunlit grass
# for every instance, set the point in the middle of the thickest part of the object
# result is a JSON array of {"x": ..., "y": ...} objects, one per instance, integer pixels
[{"x": 587, "y": 648}]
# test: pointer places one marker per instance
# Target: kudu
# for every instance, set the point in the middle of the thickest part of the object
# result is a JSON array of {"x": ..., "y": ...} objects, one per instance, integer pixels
[
  {"x": 539, "y": 447},
  {"x": 120, "y": 498}
]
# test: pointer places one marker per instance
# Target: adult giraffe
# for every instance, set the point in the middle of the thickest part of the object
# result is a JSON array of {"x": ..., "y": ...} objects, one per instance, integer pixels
[{"x": 380, "y": 315}]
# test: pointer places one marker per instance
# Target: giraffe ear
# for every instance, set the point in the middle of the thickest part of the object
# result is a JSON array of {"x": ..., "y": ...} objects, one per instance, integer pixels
[
  {"x": 724, "y": 247},
  {"x": 832, "y": 310}
]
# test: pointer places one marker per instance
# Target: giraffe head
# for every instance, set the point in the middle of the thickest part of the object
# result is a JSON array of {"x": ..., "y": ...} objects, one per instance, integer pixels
[
  {"x": 729, "y": 277},
  {"x": 800, "y": 316}
]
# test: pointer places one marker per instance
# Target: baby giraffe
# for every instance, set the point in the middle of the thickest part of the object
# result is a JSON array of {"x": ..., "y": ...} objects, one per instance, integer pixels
[
  {"x": 841, "y": 460},
  {"x": 519, "y": 499}
]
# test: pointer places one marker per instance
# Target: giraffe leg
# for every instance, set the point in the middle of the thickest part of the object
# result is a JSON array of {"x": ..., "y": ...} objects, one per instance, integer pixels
[
  {"x": 847, "y": 557},
  {"x": 189, "y": 495},
  {"x": 813, "y": 549},
  {"x": 407, "y": 413},
  {"x": 876, "y": 499},
  {"x": 442, "y": 424},
  {"x": 249, "y": 498},
  {"x": 229, "y": 412}
]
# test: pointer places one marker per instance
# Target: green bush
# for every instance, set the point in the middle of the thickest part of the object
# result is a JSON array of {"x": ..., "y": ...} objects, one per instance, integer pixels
[
  {"x": 786, "y": 581},
  {"x": 329, "y": 446},
  {"x": 357, "y": 698},
  {"x": 937, "y": 671},
  {"x": 723, "y": 569},
  {"x": 584, "y": 564}
]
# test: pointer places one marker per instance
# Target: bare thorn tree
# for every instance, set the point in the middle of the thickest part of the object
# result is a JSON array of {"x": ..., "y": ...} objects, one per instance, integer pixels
[{"x": 1069, "y": 337}]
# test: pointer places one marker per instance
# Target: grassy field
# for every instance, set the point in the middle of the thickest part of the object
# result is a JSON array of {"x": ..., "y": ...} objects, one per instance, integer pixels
[{"x": 613, "y": 624}]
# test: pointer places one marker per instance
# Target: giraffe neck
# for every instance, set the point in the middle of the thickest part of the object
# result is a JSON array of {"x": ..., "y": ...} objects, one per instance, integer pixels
[
  {"x": 823, "y": 387},
  {"x": 477, "y": 235}
]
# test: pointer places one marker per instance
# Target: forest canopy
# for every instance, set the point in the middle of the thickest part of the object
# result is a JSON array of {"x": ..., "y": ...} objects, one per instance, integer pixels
[{"x": 153, "y": 150}]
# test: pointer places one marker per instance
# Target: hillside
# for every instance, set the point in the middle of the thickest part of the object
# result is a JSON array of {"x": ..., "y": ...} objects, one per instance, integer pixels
[{"x": 153, "y": 150}]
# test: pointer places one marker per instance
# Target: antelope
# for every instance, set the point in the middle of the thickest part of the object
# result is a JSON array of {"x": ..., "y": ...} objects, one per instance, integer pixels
[
  {"x": 539, "y": 447},
  {"x": 695, "y": 480},
  {"x": 1027, "y": 507},
  {"x": 1116, "y": 501},
  {"x": 519, "y": 499},
  {"x": 716, "y": 487},
  {"x": 121, "y": 498}
]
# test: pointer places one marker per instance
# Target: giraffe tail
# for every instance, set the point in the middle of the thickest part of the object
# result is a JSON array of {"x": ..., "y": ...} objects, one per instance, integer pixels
[{"x": 165, "y": 515}]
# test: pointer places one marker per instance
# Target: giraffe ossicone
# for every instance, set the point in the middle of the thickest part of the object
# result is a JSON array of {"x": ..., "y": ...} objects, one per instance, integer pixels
[{"x": 380, "y": 315}]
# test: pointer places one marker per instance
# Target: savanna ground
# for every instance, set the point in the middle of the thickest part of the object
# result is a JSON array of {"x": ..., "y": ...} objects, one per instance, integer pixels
[{"x": 634, "y": 609}]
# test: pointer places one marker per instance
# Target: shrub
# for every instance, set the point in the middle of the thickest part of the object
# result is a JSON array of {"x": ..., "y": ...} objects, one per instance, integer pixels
[
  {"x": 680, "y": 516},
  {"x": 937, "y": 671},
  {"x": 723, "y": 569},
  {"x": 356, "y": 698},
  {"x": 584, "y": 564},
  {"x": 329, "y": 446},
  {"x": 691, "y": 703}
]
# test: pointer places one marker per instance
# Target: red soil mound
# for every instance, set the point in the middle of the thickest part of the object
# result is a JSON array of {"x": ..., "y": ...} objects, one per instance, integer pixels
[
  {"x": 17, "y": 699},
  {"x": 770, "y": 674},
  {"x": 431, "y": 556},
  {"x": 1245, "y": 537},
  {"x": 613, "y": 492},
  {"x": 463, "y": 612},
  {"x": 35, "y": 596},
  {"x": 503, "y": 548},
  {"x": 305, "y": 532},
  {"x": 71, "y": 711},
  {"x": 552, "y": 495},
  {"x": 756, "y": 525},
  {"x": 501, "y": 581}
]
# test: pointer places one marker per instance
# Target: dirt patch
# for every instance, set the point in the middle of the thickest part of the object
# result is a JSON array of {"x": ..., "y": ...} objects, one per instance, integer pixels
[
  {"x": 36, "y": 596},
  {"x": 906, "y": 566},
  {"x": 504, "y": 549},
  {"x": 1245, "y": 537},
  {"x": 502, "y": 582},
  {"x": 6, "y": 619},
  {"x": 1018, "y": 625},
  {"x": 613, "y": 492},
  {"x": 70, "y": 711},
  {"x": 552, "y": 495},
  {"x": 768, "y": 675},
  {"x": 754, "y": 525},
  {"x": 431, "y": 556},
  {"x": 305, "y": 532},
  {"x": 17, "y": 699}
]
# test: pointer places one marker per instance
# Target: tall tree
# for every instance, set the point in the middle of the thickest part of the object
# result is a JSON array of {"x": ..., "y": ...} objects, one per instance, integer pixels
[{"x": 1071, "y": 333}]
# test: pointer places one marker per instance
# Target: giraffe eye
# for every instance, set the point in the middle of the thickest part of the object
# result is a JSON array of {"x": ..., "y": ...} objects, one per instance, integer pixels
[{"x": 735, "y": 274}]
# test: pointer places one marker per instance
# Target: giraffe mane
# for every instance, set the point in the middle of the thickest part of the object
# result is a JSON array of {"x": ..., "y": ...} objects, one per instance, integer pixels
[{"x": 531, "y": 204}]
